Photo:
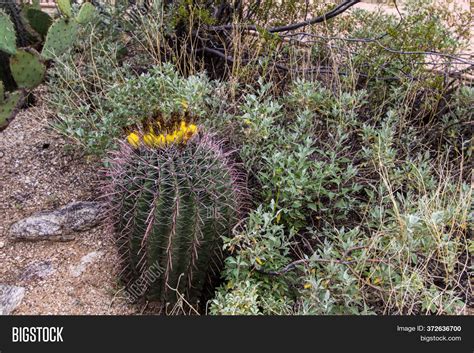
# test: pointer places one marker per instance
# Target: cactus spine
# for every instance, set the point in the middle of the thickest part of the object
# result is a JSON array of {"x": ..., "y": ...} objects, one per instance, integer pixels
[{"x": 171, "y": 206}]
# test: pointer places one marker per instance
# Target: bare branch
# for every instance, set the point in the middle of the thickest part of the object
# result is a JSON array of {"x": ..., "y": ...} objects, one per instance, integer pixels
[{"x": 323, "y": 18}]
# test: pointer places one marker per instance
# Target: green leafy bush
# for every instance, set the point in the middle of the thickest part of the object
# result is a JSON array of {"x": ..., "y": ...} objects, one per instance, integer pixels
[
  {"x": 161, "y": 91},
  {"x": 262, "y": 245},
  {"x": 382, "y": 215},
  {"x": 291, "y": 164},
  {"x": 95, "y": 104}
]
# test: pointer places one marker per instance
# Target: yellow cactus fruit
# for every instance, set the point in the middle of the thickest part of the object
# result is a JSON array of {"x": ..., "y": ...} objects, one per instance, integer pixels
[
  {"x": 150, "y": 139},
  {"x": 169, "y": 138},
  {"x": 179, "y": 135},
  {"x": 160, "y": 140},
  {"x": 133, "y": 139},
  {"x": 192, "y": 128}
]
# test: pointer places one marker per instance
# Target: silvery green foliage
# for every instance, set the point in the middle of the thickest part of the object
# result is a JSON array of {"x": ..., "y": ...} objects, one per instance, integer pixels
[
  {"x": 161, "y": 91},
  {"x": 114, "y": 99},
  {"x": 375, "y": 212},
  {"x": 262, "y": 245}
]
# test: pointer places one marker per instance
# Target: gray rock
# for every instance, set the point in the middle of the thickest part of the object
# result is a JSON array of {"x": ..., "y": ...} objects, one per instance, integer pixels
[
  {"x": 10, "y": 298},
  {"x": 60, "y": 224},
  {"x": 37, "y": 270},
  {"x": 77, "y": 270}
]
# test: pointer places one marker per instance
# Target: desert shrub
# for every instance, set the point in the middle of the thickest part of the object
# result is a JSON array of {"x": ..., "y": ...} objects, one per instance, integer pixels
[
  {"x": 94, "y": 104},
  {"x": 410, "y": 52},
  {"x": 406, "y": 258},
  {"x": 77, "y": 95},
  {"x": 160, "y": 91},
  {"x": 300, "y": 171},
  {"x": 261, "y": 245},
  {"x": 377, "y": 208}
]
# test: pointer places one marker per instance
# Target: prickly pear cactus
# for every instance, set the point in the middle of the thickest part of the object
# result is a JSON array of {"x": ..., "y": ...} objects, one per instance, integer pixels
[
  {"x": 40, "y": 21},
  {"x": 9, "y": 108},
  {"x": 7, "y": 34},
  {"x": 86, "y": 13},
  {"x": 173, "y": 197},
  {"x": 24, "y": 68},
  {"x": 64, "y": 7},
  {"x": 27, "y": 68},
  {"x": 61, "y": 36},
  {"x": 23, "y": 36},
  {"x": 2, "y": 93}
]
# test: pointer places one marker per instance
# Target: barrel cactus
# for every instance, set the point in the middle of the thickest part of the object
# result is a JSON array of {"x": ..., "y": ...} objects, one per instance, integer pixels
[{"x": 173, "y": 196}]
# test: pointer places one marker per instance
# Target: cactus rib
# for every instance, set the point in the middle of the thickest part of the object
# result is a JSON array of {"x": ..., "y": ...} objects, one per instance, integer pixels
[{"x": 171, "y": 207}]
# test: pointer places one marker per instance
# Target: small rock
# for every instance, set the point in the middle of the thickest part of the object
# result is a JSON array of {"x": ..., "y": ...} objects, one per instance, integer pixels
[
  {"x": 77, "y": 270},
  {"x": 38, "y": 270},
  {"x": 10, "y": 298},
  {"x": 2, "y": 244},
  {"x": 81, "y": 216},
  {"x": 58, "y": 224}
]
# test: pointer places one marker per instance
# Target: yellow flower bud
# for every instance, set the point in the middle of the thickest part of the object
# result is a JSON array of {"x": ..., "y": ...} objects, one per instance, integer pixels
[
  {"x": 169, "y": 138},
  {"x": 179, "y": 135},
  {"x": 160, "y": 140},
  {"x": 133, "y": 139},
  {"x": 149, "y": 139},
  {"x": 192, "y": 128}
]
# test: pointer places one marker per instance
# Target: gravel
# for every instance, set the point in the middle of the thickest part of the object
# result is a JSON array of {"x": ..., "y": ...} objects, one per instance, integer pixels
[{"x": 39, "y": 171}]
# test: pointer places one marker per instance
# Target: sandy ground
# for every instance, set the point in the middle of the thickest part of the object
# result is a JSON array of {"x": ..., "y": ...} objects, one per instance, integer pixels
[{"x": 39, "y": 172}]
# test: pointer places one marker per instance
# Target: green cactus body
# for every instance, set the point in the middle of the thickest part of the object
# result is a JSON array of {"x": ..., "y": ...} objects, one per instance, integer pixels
[
  {"x": 27, "y": 68},
  {"x": 61, "y": 36},
  {"x": 7, "y": 34},
  {"x": 24, "y": 37},
  {"x": 2, "y": 93},
  {"x": 39, "y": 20},
  {"x": 24, "y": 68},
  {"x": 9, "y": 107},
  {"x": 86, "y": 13},
  {"x": 171, "y": 206},
  {"x": 64, "y": 7}
]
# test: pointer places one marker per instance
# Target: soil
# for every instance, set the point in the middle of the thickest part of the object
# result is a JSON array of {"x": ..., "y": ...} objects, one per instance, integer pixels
[{"x": 40, "y": 171}]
